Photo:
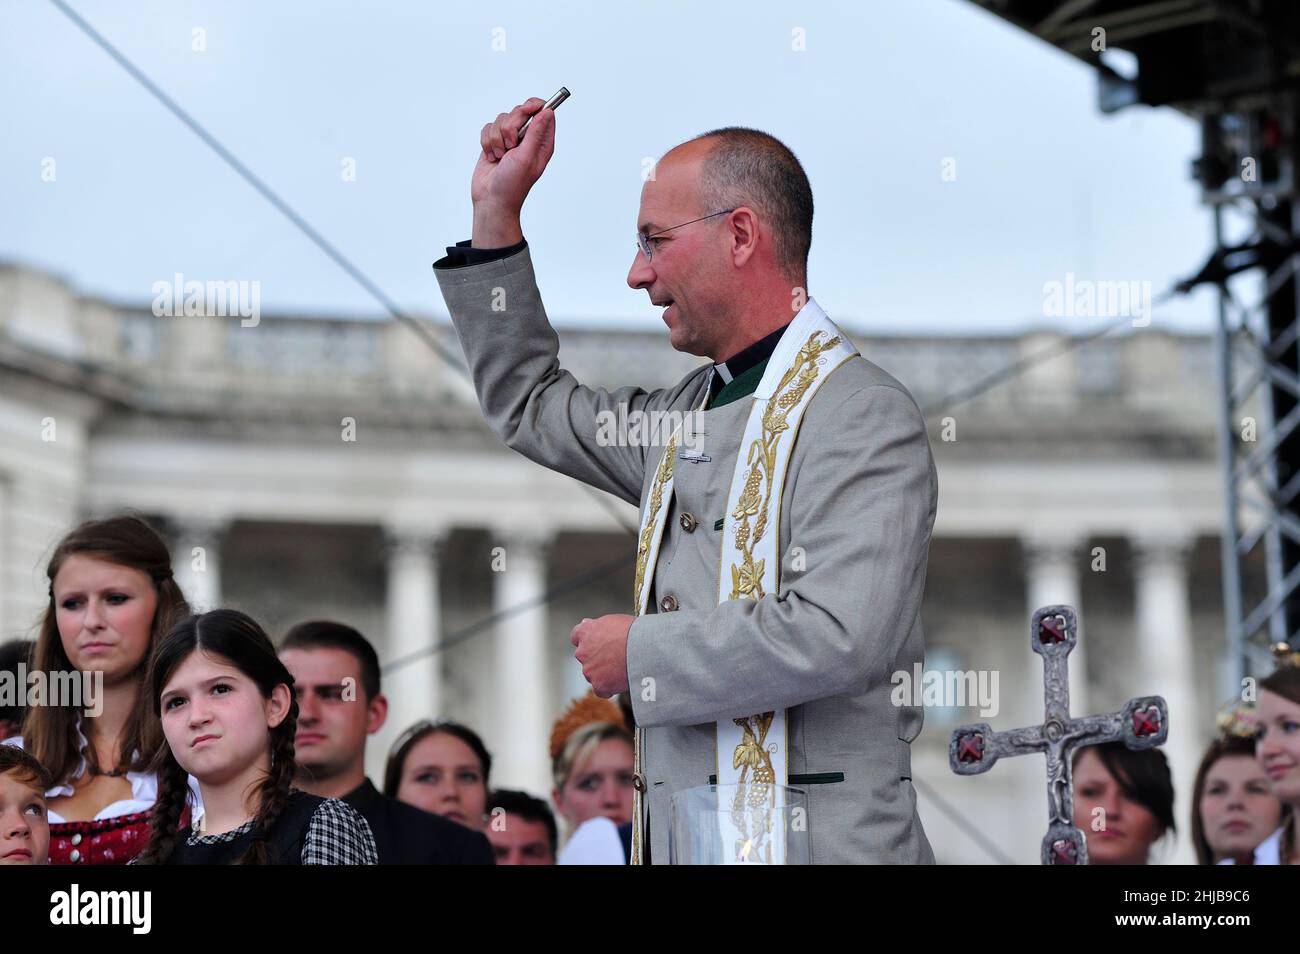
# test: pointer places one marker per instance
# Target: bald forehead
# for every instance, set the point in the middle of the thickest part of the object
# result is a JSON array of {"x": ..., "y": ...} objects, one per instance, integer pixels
[{"x": 674, "y": 190}]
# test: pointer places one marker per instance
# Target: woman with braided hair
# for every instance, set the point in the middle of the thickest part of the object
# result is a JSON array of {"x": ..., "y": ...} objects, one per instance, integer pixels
[{"x": 224, "y": 705}]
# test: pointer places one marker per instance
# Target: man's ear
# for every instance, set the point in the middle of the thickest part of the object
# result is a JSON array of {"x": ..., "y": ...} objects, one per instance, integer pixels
[
  {"x": 744, "y": 235},
  {"x": 376, "y": 714}
]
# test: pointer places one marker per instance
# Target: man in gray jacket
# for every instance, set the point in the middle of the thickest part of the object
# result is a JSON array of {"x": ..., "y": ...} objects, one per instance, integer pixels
[{"x": 779, "y": 584}]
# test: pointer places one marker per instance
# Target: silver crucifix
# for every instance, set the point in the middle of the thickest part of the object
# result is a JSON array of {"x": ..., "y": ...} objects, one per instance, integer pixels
[{"x": 1143, "y": 723}]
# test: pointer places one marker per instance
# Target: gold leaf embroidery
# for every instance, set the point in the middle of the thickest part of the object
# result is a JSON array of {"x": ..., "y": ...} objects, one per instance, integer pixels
[
  {"x": 751, "y": 755},
  {"x": 756, "y": 495},
  {"x": 662, "y": 476}
]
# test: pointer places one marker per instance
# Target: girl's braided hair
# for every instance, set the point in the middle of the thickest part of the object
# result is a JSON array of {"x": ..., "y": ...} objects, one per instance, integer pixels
[{"x": 238, "y": 639}]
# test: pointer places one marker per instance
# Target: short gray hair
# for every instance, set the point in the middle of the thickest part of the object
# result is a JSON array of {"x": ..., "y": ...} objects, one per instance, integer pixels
[{"x": 752, "y": 168}]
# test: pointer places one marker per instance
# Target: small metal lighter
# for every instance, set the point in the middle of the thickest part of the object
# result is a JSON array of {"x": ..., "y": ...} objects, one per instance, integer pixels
[{"x": 552, "y": 103}]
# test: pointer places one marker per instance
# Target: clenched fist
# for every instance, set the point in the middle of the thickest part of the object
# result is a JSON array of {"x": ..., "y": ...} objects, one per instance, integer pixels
[
  {"x": 600, "y": 645},
  {"x": 507, "y": 170}
]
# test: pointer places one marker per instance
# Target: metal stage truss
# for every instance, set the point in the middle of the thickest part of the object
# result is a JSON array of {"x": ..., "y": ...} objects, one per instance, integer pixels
[{"x": 1234, "y": 67}]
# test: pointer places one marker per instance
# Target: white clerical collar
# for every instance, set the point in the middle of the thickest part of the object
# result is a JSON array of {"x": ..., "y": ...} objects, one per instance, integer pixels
[{"x": 764, "y": 348}]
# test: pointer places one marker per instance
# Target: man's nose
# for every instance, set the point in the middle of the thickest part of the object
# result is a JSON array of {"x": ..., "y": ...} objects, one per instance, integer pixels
[
  {"x": 641, "y": 274},
  {"x": 307, "y": 709}
]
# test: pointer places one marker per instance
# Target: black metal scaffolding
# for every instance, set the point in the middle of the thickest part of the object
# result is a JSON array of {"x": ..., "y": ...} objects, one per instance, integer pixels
[{"x": 1235, "y": 68}]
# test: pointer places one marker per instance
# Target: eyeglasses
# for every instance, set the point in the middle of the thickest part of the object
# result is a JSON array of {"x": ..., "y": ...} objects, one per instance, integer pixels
[{"x": 643, "y": 240}]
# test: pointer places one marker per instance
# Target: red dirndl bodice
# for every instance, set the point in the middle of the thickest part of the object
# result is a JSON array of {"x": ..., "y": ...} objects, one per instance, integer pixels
[{"x": 107, "y": 841}]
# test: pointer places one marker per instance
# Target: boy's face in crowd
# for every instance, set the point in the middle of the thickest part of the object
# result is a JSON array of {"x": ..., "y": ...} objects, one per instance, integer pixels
[
  {"x": 334, "y": 716},
  {"x": 519, "y": 841},
  {"x": 24, "y": 826}
]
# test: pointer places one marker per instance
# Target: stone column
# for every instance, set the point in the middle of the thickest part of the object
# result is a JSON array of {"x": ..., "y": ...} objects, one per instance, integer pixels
[
  {"x": 9, "y": 578},
  {"x": 1051, "y": 565},
  {"x": 521, "y": 674},
  {"x": 414, "y": 685},
  {"x": 196, "y": 561},
  {"x": 1165, "y": 652}
]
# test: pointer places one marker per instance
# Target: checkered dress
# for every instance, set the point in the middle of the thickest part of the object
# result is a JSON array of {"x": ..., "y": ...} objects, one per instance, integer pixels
[{"x": 337, "y": 835}]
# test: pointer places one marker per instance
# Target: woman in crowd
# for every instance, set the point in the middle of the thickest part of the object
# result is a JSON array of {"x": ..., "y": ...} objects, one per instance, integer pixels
[
  {"x": 1123, "y": 802},
  {"x": 1277, "y": 747},
  {"x": 441, "y": 767},
  {"x": 592, "y": 768},
  {"x": 1233, "y": 807},
  {"x": 111, "y": 597}
]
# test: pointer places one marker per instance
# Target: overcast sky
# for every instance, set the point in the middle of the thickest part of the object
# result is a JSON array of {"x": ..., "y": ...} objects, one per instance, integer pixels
[{"x": 880, "y": 95}]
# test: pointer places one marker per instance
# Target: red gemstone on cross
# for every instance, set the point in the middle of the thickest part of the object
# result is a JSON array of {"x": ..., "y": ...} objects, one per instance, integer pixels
[
  {"x": 970, "y": 748},
  {"x": 1146, "y": 722},
  {"x": 1064, "y": 852},
  {"x": 1051, "y": 630}
]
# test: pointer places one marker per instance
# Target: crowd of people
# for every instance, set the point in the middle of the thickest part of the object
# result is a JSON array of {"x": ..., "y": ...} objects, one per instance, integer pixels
[{"x": 214, "y": 745}]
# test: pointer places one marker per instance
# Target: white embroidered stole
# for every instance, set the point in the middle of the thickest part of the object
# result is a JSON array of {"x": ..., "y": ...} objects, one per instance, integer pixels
[{"x": 751, "y": 751}]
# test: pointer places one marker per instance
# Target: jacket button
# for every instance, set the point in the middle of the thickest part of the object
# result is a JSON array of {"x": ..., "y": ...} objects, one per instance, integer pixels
[
  {"x": 638, "y": 782},
  {"x": 688, "y": 522},
  {"x": 75, "y": 856},
  {"x": 76, "y": 839},
  {"x": 668, "y": 604}
]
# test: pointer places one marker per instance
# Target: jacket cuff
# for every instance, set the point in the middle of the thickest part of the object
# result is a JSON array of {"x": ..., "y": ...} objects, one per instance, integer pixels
[{"x": 461, "y": 255}]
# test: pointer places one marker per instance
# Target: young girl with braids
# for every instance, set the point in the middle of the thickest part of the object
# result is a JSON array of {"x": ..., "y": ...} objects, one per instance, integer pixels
[
  {"x": 111, "y": 597},
  {"x": 225, "y": 705}
]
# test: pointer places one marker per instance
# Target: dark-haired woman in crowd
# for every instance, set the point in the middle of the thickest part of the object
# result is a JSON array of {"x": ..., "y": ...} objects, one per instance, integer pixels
[
  {"x": 1123, "y": 802},
  {"x": 1233, "y": 807},
  {"x": 111, "y": 597},
  {"x": 224, "y": 703},
  {"x": 441, "y": 767}
]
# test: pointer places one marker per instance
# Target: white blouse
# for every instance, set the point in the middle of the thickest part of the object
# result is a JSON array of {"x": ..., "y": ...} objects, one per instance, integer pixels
[
  {"x": 144, "y": 788},
  {"x": 1267, "y": 852}
]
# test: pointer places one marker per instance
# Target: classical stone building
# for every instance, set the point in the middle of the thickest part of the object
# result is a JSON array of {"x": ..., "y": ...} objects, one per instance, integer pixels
[{"x": 307, "y": 468}]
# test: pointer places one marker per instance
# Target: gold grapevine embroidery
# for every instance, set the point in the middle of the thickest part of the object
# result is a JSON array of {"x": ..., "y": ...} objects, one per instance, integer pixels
[
  {"x": 756, "y": 496},
  {"x": 662, "y": 476},
  {"x": 752, "y": 754},
  {"x": 747, "y": 575}
]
